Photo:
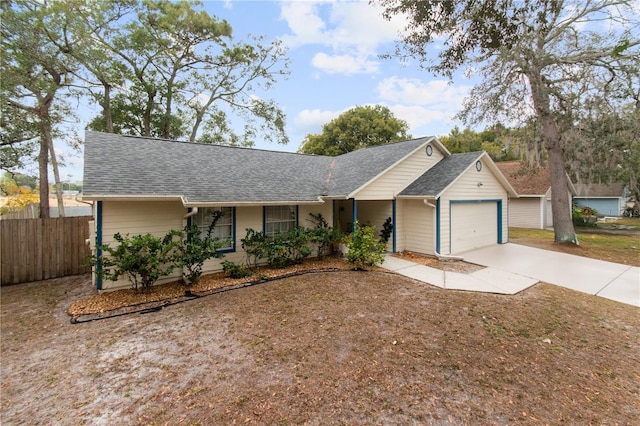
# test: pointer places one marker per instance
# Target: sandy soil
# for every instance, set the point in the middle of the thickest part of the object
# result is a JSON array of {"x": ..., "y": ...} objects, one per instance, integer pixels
[{"x": 327, "y": 348}]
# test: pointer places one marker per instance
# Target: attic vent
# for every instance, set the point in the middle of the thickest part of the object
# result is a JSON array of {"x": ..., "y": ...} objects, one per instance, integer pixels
[
  {"x": 429, "y": 150},
  {"x": 479, "y": 165}
]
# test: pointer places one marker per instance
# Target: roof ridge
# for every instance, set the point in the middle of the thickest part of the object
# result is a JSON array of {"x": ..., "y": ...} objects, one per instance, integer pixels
[{"x": 246, "y": 148}]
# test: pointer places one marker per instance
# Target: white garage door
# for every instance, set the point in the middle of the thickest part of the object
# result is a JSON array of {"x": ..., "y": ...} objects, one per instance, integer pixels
[{"x": 473, "y": 225}]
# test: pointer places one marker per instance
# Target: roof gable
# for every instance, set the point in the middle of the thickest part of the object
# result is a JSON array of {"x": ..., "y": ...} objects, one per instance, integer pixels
[
  {"x": 443, "y": 174},
  {"x": 354, "y": 170},
  {"x": 437, "y": 179}
]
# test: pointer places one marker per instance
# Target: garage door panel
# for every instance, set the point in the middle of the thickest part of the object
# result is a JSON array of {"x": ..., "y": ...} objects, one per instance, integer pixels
[{"x": 473, "y": 225}]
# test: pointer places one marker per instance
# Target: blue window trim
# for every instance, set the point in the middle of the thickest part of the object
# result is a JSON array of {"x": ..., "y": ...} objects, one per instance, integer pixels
[
  {"x": 232, "y": 249},
  {"x": 499, "y": 216},
  {"x": 264, "y": 217},
  {"x": 98, "y": 244}
]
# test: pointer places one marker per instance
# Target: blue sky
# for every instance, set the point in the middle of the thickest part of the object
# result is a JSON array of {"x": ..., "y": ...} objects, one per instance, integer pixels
[{"x": 334, "y": 49}]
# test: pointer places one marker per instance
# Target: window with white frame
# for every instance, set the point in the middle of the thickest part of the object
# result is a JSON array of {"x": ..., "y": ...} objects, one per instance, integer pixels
[
  {"x": 279, "y": 219},
  {"x": 224, "y": 227}
]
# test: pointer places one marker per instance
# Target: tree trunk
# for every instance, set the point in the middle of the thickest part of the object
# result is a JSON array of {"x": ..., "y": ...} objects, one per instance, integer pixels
[
  {"x": 43, "y": 168},
  {"x": 550, "y": 134},
  {"x": 147, "y": 114},
  {"x": 106, "y": 107},
  {"x": 196, "y": 125},
  {"x": 56, "y": 177},
  {"x": 560, "y": 196}
]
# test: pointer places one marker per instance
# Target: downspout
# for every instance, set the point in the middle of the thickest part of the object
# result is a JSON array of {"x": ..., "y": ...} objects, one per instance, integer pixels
[
  {"x": 192, "y": 212},
  {"x": 438, "y": 255}
]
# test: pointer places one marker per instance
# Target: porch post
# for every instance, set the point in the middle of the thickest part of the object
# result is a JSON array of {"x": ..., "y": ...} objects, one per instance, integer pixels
[
  {"x": 393, "y": 223},
  {"x": 355, "y": 214},
  {"x": 438, "y": 225},
  {"x": 98, "y": 225}
]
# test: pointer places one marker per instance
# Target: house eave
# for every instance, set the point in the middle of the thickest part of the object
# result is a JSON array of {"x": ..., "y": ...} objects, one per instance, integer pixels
[
  {"x": 187, "y": 203},
  {"x": 129, "y": 197},
  {"x": 417, "y": 197}
]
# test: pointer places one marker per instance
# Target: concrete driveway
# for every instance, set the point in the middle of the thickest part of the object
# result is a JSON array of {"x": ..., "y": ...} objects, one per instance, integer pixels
[{"x": 606, "y": 279}]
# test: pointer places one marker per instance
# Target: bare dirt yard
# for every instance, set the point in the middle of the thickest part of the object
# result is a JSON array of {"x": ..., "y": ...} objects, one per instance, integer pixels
[{"x": 325, "y": 348}]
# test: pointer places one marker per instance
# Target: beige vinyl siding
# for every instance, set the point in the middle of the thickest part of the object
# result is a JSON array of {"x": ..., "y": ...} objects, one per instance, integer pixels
[
  {"x": 388, "y": 185},
  {"x": 375, "y": 213},
  {"x": 251, "y": 217},
  {"x": 526, "y": 212},
  {"x": 157, "y": 218},
  {"x": 139, "y": 218},
  {"x": 326, "y": 209},
  {"x": 415, "y": 227},
  {"x": 466, "y": 188}
]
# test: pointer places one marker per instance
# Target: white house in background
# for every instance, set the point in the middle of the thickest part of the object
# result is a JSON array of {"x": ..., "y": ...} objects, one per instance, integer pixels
[
  {"x": 532, "y": 208},
  {"x": 440, "y": 203}
]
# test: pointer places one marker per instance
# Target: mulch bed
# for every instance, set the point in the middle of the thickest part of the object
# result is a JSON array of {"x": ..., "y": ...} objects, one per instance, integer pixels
[{"x": 127, "y": 301}]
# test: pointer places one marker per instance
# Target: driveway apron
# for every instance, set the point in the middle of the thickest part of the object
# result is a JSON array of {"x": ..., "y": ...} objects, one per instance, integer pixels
[{"x": 606, "y": 279}]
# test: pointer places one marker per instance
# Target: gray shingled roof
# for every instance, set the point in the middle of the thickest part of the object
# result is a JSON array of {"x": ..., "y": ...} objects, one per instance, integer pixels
[
  {"x": 118, "y": 165},
  {"x": 598, "y": 190},
  {"x": 130, "y": 166},
  {"x": 440, "y": 176}
]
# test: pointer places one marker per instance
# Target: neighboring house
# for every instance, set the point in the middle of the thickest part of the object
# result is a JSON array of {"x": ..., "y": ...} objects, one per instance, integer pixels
[
  {"x": 439, "y": 203},
  {"x": 532, "y": 208},
  {"x": 607, "y": 200}
]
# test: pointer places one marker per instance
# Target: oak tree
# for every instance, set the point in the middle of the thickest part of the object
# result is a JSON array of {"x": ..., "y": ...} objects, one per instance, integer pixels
[
  {"x": 358, "y": 127},
  {"x": 530, "y": 55}
]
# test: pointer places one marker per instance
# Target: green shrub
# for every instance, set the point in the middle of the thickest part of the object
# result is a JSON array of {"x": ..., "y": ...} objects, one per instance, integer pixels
[
  {"x": 143, "y": 259},
  {"x": 254, "y": 245},
  {"x": 364, "y": 247},
  {"x": 323, "y": 235},
  {"x": 288, "y": 248},
  {"x": 195, "y": 248},
  {"x": 235, "y": 270},
  {"x": 279, "y": 251}
]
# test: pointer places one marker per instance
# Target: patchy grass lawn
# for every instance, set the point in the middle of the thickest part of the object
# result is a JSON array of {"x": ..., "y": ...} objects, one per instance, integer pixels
[
  {"x": 603, "y": 242},
  {"x": 330, "y": 348}
]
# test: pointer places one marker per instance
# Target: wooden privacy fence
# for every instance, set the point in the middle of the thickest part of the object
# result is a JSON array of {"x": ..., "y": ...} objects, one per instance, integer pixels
[{"x": 40, "y": 249}]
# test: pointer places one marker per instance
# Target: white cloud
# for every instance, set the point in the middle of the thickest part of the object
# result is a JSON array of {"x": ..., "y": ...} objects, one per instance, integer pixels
[
  {"x": 422, "y": 120},
  {"x": 344, "y": 64},
  {"x": 418, "y": 117},
  {"x": 311, "y": 120},
  {"x": 417, "y": 92},
  {"x": 352, "y": 30}
]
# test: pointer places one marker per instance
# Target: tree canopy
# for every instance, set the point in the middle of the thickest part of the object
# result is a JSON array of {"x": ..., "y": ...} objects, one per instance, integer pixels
[
  {"x": 154, "y": 67},
  {"x": 500, "y": 143},
  {"x": 540, "y": 61},
  {"x": 356, "y": 128}
]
